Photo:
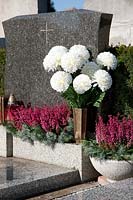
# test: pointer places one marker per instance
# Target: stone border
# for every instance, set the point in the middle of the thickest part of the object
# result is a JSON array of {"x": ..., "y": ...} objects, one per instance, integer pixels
[
  {"x": 66, "y": 155},
  {"x": 6, "y": 142},
  {"x": 67, "y": 191}
]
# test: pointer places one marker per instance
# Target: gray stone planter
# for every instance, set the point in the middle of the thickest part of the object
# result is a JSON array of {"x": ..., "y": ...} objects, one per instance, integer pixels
[
  {"x": 6, "y": 142},
  {"x": 65, "y": 155},
  {"x": 113, "y": 170}
]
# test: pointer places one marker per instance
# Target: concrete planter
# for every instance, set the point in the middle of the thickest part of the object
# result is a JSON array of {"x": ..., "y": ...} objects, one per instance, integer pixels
[
  {"x": 113, "y": 170},
  {"x": 65, "y": 155},
  {"x": 6, "y": 142}
]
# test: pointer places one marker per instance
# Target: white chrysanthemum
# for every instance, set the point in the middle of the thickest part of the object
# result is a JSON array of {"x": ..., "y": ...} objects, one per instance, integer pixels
[
  {"x": 56, "y": 54},
  {"x": 50, "y": 63},
  {"x": 81, "y": 51},
  {"x": 103, "y": 79},
  {"x": 58, "y": 50},
  {"x": 107, "y": 59},
  {"x": 60, "y": 81},
  {"x": 82, "y": 83},
  {"x": 89, "y": 69},
  {"x": 71, "y": 62}
]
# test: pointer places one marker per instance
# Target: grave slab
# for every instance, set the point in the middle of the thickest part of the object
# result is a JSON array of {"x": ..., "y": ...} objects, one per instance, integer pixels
[{"x": 20, "y": 179}]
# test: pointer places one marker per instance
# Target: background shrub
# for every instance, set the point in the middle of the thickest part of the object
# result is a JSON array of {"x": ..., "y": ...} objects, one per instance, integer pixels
[
  {"x": 119, "y": 99},
  {"x": 2, "y": 68}
]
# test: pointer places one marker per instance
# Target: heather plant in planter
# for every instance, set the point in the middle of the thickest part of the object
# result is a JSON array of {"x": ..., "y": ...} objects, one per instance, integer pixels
[
  {"x": 112, "y": 151},
  {"x": 46, "y": 124},
  {"x": 114, "y": 139}
]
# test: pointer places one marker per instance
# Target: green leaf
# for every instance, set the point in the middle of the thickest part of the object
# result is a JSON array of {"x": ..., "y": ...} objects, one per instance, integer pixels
[
  {"x": 65, "y": 137},
  {"x": 11, "y": 129},
  {"x": 120, "y": 152},
  {"x": 51, "y": 138},
  {"x": 99, "y": 100},
  {"x": 71, "y": 97},
  {"x": 38, "y": 134},
  {"x": 91, "y": 96}
]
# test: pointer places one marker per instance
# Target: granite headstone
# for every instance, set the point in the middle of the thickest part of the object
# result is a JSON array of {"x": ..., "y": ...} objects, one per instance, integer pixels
[{"x": 29, "y": 38}]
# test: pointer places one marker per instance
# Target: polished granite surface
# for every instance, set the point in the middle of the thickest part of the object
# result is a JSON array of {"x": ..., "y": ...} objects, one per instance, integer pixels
[
  {"x": 19, "y": 176},
  {"x": 14, "y": 169}
]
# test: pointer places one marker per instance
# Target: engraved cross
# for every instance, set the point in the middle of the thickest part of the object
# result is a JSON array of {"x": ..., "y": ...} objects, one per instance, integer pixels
[{"x": 46, "y": 31}]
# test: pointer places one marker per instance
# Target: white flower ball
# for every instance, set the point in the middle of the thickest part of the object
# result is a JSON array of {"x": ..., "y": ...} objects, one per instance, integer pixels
[
  {"x": 71, "y": 62},
  {"x": 82, "y": 83},
  {"x": 89, "y": 69},
  {"x": 81, "y": 51},
  {"x": 50, "y": 63},
  {"x": 103, "y": 79},
  {"x": 59, "y": 50},
  {"x": 107, "y": 59},
  {"x": 60, "y": 81}
]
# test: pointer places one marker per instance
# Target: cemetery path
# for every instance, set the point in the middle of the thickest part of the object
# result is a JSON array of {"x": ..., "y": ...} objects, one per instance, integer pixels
[
  {"x": 67, "y": 192},
  {"x": 92, "y": 191}
]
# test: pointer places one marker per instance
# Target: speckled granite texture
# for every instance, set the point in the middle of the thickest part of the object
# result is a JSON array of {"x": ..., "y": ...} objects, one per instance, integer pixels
[
  {"x": 66, "y": 155},
  {"x": 27, "y": 43},
  {"x": 122, "y": 190},
  {"x": 6, "y": 143},
  {"x": 21, "y": 178}
]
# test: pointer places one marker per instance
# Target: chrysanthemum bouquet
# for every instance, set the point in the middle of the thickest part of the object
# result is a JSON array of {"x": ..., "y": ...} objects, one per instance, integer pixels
[{"x": 80, "y": 80}]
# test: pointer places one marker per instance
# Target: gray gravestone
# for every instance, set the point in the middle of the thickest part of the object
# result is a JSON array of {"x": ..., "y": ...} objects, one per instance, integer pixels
[{"x": 29, "y": 38}]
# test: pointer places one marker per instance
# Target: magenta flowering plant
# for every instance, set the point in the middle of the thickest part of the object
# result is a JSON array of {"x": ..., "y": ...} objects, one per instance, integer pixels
[
  {"x": 20, "y": 115},
  {"x": 114, "y": 139},
  {"x": 49, "y": 118},
  {"x": 114, "y": 132},
  {"x": 53, "y": 118},
  {"x": 46, "y": 124}
]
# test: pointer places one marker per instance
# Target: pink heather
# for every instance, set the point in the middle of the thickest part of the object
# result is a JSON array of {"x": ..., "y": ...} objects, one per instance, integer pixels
[
  {"x": 49, "y": 118},
  {"x": 115, "y": 131}
]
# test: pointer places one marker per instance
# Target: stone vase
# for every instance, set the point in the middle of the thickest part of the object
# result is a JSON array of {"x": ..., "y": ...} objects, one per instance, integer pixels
[
  {"x": 113, "y": 170},
  {"x": 80, "y": 123}
]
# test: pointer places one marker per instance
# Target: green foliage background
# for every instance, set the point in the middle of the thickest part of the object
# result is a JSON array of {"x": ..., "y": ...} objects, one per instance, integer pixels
[
  {"x": 2, "y": 68},
  {"x": 120, "y": 98}
]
